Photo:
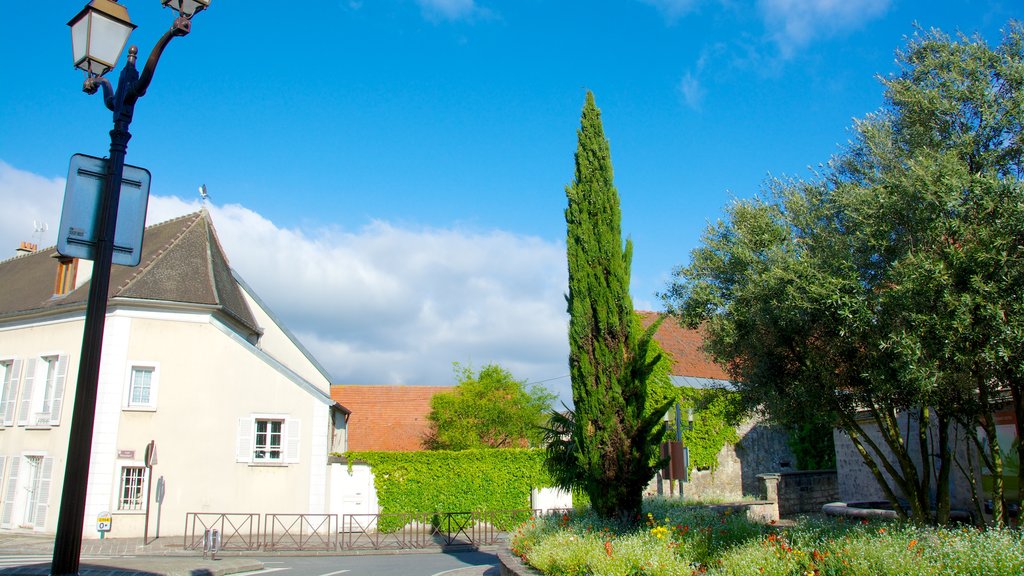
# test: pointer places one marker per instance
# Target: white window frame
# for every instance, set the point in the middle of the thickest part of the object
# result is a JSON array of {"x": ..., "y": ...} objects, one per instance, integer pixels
[
  {"x": 118, "y": 499},
  {"x": 291, "y": 436},
  {"x": 41, "y": 407},
  {"x": 272, "y": 435},
  {"x": 9, "y": 382},
  {"x": 154, "y": 386}
]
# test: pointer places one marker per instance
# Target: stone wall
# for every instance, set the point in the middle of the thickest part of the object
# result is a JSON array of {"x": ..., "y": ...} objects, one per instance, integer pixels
[
  {"x": 800, "y": 492},
  {"x": 762, "y": 448},
  {"x": 858, "y": 484}
]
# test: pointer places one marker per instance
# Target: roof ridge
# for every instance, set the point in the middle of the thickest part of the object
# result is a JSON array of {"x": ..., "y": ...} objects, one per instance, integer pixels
[
  {"x": 157, "y": 254},
  {"x": 27, "y": 254},
  {"x": 211, "y": 234}
]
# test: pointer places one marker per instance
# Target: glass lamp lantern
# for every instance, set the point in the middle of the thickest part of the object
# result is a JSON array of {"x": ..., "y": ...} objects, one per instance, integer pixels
[
  {"x": 187, "y": 8},
  {"x": 98, "y": 36}
]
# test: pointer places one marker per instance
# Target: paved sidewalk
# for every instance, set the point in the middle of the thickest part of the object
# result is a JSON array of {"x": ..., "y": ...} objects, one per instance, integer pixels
[
  {"x": 167, "y": 557},
  {"x": 125, "y": 557}
]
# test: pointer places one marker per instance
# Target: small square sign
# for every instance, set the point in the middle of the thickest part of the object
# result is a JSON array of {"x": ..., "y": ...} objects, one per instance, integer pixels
[{"x": 83, "y": 194}]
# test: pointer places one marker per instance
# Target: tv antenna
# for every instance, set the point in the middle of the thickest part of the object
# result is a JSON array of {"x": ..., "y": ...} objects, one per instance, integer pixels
[
  {"x": 203, "y": 194},
  {"x": 38, "y": 229}
]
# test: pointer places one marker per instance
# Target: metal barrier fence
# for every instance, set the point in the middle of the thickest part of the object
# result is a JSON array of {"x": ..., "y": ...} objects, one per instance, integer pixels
[
  {"x": 241, "y": 531},
  {"x": 237, "y": 531},
  {"x": 401, "y": 531},
  {"x": 300, "y": 532}
]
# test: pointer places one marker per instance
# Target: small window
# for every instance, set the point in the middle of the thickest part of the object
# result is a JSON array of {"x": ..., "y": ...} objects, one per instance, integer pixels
[
  {"x": 132, "y": 480},
  {"x": 268, "y": 439},
  {"x": 142, "y": 387},
  {"x": 267, "y": 445}
]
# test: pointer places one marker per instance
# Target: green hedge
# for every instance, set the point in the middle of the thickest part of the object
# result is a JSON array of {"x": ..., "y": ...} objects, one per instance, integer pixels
[{"x": 463, "y": 481}]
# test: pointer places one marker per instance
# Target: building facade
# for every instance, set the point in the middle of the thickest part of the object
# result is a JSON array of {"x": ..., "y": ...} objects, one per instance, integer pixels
[{"x": 193, "y": 364}]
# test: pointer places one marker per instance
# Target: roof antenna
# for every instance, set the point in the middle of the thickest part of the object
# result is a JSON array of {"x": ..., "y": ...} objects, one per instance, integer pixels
[
  {"x": 38, "y": 228},
  {"x": 203, "y": 194}
]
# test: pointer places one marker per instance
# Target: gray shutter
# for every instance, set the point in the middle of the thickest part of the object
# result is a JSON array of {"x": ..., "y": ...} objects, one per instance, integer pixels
[
  {"x": 44, "y": 493},
  {"x": 58, "y": 389},
  {"x": 7, "y": 513},
  {"x": 26, "y": 393},
  {"x": 10, "y": 395},
  {"x": 293, "y": 434},
  {"x": 243, "y": 447}
]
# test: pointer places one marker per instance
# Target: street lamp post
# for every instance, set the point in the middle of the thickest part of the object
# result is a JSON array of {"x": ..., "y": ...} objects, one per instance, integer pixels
[{"x": 99, "y": 33}]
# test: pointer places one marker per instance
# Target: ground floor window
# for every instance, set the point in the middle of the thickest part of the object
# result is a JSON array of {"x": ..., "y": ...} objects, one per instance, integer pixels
[
  {"x": 267, "y": 446},
  {"x": 132, "y": 479}
]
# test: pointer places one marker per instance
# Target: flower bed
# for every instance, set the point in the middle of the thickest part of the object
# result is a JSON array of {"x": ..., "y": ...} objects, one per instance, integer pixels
[{"x": 686, "y": 540}]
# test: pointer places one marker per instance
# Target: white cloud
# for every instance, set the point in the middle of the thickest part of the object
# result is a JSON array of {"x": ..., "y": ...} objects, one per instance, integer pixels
[
  {"x": 692, "y": 91},
  {"x": 793, "y": 24},
  {"x": 380, "y": 305},
  {"x": 27, "y": 200}
]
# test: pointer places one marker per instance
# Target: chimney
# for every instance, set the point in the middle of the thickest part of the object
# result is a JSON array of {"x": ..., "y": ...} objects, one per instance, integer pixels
[{"x": 26, "y": 248}]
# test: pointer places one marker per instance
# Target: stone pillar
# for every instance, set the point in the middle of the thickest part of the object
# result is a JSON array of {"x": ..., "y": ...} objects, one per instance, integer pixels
[{"x": 770, "y": 490}]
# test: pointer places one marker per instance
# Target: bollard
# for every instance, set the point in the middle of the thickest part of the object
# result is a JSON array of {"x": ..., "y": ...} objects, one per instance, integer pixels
[{"x": 211, "y": 543}]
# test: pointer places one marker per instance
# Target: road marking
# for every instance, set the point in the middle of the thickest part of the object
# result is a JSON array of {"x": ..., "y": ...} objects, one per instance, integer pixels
[
  {"x": 264, "y": 571},
  {"x": 333, "y": 573},
  {"x": 453, "y": 570}
]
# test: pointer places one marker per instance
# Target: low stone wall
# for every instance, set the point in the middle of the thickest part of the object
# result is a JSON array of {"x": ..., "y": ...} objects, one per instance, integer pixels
[{"x": 800, "y": 492}]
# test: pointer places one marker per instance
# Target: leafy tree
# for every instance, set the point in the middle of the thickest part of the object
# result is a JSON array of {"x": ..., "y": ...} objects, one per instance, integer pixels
[
  {"x": 892, "y": 284},
  {"x": 487, "y": 409},
  {"x": 607, "y": 446}
]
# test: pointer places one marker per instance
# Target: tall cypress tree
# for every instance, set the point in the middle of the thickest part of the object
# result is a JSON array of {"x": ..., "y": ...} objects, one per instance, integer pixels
[{"x": 606, "y": 446}]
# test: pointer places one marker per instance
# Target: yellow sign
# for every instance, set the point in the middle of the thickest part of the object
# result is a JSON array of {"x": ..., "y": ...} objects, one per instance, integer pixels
[{"x": 103, "y": 522}]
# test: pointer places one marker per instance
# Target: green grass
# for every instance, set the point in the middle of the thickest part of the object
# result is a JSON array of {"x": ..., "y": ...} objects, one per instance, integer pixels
[{"x": 676, "y": 539}]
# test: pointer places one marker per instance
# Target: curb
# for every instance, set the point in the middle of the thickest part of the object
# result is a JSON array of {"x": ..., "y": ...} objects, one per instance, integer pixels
[{"x": 512, "y": 565}]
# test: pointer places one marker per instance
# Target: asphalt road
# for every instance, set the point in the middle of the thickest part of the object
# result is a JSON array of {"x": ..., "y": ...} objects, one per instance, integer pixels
[{"x": 403, "y": 564}]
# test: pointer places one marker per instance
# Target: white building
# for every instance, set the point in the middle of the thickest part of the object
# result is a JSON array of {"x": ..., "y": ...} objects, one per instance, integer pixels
[{"x": 240, "y": 413}]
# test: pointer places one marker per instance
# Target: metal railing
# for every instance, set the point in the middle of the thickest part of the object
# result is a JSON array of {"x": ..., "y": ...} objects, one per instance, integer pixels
[
  {"x": 445, "y": 529},
  {"x": 300, "y": 532},
  {"x": 237, "y": 531},
  {"x": 241, "y": 531}
]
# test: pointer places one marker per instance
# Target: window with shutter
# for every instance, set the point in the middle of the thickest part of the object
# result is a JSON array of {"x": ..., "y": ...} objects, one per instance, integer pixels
[
  {"x": 268, "y": 439},
  {"x": 42, "y": 391}
]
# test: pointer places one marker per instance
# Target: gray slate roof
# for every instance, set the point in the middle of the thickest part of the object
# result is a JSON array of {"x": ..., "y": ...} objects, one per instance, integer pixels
[{"x": 182, "y": 262}]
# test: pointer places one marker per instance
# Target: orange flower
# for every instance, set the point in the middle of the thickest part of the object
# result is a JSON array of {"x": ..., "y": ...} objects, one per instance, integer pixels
[
  {"x": 608, "y": 548},
  {"x": 912, "y": 544}
]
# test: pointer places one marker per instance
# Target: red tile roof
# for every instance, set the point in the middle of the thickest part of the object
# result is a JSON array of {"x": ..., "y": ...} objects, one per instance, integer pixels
[
  {"x": 394, "y": 418},
  {"x": 683, "y": 346},
  {"x": 386, "y": 418}
]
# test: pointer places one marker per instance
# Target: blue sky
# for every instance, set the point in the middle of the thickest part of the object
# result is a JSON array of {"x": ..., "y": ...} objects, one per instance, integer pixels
[{"x": 402, "y": 163}]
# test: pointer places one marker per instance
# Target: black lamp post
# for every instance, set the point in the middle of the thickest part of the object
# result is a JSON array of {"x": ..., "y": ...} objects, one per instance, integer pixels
[{"x": 99, "y": 33}]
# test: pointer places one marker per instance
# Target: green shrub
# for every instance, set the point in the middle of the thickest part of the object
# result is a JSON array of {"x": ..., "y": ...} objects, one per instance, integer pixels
[{"x": 463, "y": 481}]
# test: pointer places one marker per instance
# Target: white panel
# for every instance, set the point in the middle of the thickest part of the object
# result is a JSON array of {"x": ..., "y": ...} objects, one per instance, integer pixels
[
  {"x": 102, "y": 481},
  {"x": 11, "y": 492},
  {"x": 26, "y": 392},
  {"x": 9, "y": 400},
  {"x": 58, "y": 389},
  {"x": 293, "y": 429},
  {"x": 44, "y": 493},
  {"x": 320, "y": 431},
  {"x": 243, "y": 445}
]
